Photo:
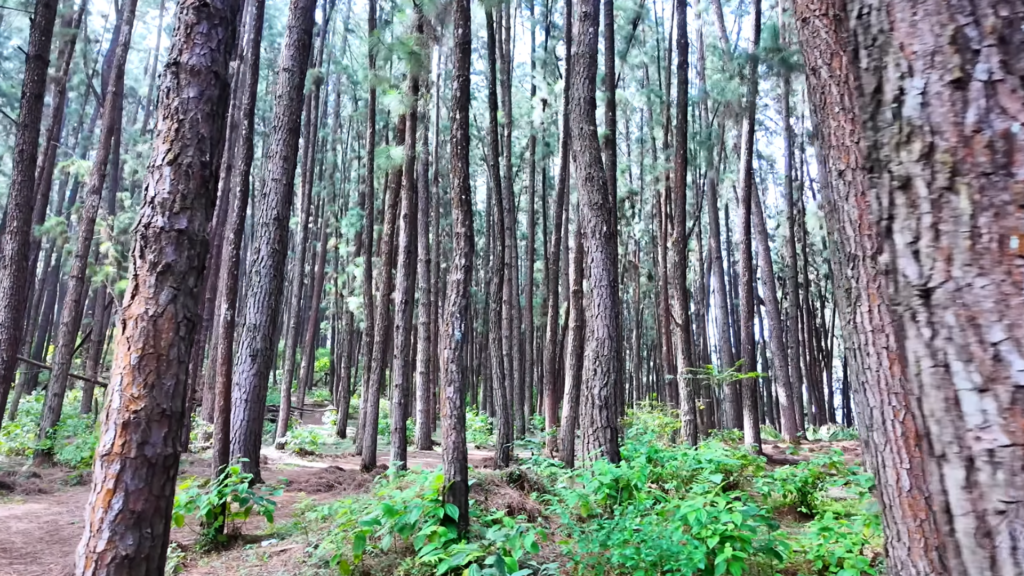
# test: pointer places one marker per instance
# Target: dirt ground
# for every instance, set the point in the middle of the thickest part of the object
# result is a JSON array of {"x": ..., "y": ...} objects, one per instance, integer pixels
[{"x": 41, "y": 520}]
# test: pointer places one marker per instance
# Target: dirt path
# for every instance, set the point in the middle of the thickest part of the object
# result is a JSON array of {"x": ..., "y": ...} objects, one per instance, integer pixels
[{"x": 40, "y": 532}]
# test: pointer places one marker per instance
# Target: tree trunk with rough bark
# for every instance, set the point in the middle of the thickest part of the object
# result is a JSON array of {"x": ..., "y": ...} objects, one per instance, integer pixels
[
  {"x": 17, "y": 228},
  {"x": 227, "y": 297},
  {"x": 368, "y": 222},
  {"x": 680, "y": 320},
  {"x": 405, "y": 277},
  {"x": 551, "y": 348},
  {"x": 128, "y": 517},
  {"x": 266, "y": 261},
  {"x": 424, "y": 287},
  {"x": 602, "y": 356},
  {"x": 751, "y": 423},
  {"x": 454, "y": 332},
  {"x": 914, "y": 510},
  {"x": 384, "y": 321},
  {"x": 573, "y": 372},
  {"x": 497, "y": 336}
]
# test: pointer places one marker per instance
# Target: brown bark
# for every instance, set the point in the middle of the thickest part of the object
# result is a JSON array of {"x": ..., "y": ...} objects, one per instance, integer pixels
[
  {"x": 512, "y": 322},
  {"x": 601, "y": 357},
  {"x": 298, "y": 270},
  {"x": 529, "y": 346},
  {"x": 944, "y": 195},
  {"x": 368, "y": 221},
  {"x": 573, "y": 372},
  {"x": 74, "y": 301},
  {"x": 551, "y": 395},
  {"x": 424, "y": 287},
  {"x": 912, "y": 510},
  {"x": 58, "y": 99},
  {"x": 227, "y": 297},
  {"x": 128, "y": 516},
  {"x": 452, "y": 345},
  {"x": 680, "y": 320},
  {"x": 611, "y": 165},
  {"x": 499, "y": 338},
  {"x": 317, "y": 286},
  {"x": 384, "y": 321},
  {"x": 405, "y": 276},
  {"x": 266, "y": 260},
  {"x": 751, "y": 424},
  {"x": 17, "y": 229},
  {"x": 777, "y": 341}
]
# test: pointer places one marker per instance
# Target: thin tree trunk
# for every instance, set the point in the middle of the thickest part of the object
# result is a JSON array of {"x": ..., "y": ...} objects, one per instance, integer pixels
[
  {"x": 17, "y": 229},
  {"x": 780, "y": 355},
  {"x": 553, "y": 268},
  {"x": 405, "y": 276},
  {"x": 573, "y": 356},
  {"x": 751, "y": 424},
  {"x": 498, "y": 337},
  {"x": 680, "y": 319},
  {"x": 266, "y": 267},
  {"x": 368, "y": 222},
  {"x": 298, "y": 272},
  {"x": 452, "y": 346},
  {"x": 71, "y": 315},
  {"x": 227, "y": 297},
  {"x": 424, "y": 287}
]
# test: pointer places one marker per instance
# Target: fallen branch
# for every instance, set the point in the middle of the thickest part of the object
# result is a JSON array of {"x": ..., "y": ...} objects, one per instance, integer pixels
[{"x": 32, "y": 362}]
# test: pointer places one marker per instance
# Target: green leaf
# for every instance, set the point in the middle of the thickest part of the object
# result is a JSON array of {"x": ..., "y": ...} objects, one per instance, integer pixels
[
  {"x": 359, "y": 543},
  {"x": 452, "y": 510}
]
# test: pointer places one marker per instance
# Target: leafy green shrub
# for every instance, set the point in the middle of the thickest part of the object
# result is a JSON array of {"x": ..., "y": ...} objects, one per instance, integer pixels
[
  {"x": 200, "y": 435},
  {"x": 479, "y": 429},
  {"x": 304, "y": 440},
  {"x": 806, "y": 485},
  {"x": 771, "y": 434},
  {"x": 408, "y": 510},
  {"x": 653, "y": 421},
  {"x": 320, "y": 395},
  {"x": 73, "y": 440},
  {"x": 330, "y": 417},
  {"x": 831, "y": 433},
  {"x": 842, "y": 546},
  {"x": 219, "y": 504}
]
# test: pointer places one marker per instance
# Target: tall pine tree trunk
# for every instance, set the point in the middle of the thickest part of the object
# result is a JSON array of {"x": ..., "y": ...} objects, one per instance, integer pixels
[
  {"x": 266, "y": 259},
  {"x": 17, "y": 228},
  {"x": 553, "y": 263},
  {"x": 751, "y": 422},
  {"x": 602, "y": 343},
  {"x": 128, "y": 517},
  {"x": 453, "y": 333},
  {"x": 883, "y": 394}
]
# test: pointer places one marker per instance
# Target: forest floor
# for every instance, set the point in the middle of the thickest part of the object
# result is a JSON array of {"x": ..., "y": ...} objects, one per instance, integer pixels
[
  {"x": 41, "y": 511},
  {"x": 42, "y": 516}
]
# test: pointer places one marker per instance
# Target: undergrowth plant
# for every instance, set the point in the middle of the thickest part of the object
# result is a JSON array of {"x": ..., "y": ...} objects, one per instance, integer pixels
[
  {"x": 221, "y": 504},
  {"x": 73, "y": 440},
  {"x": 408, "y": 514}
]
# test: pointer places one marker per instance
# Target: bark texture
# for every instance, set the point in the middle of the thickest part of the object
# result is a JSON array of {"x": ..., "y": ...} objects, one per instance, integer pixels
[
  {"x": 455, "y": 328},
  {"x": 266, "y": 262},
  {"x": 231, "y": 253},
  {"x": 601, "y": 356},
  {"x": 127, "y": 524},
  {"x": 892, "y": 435},
  {"x": 17, "y": 228}
]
